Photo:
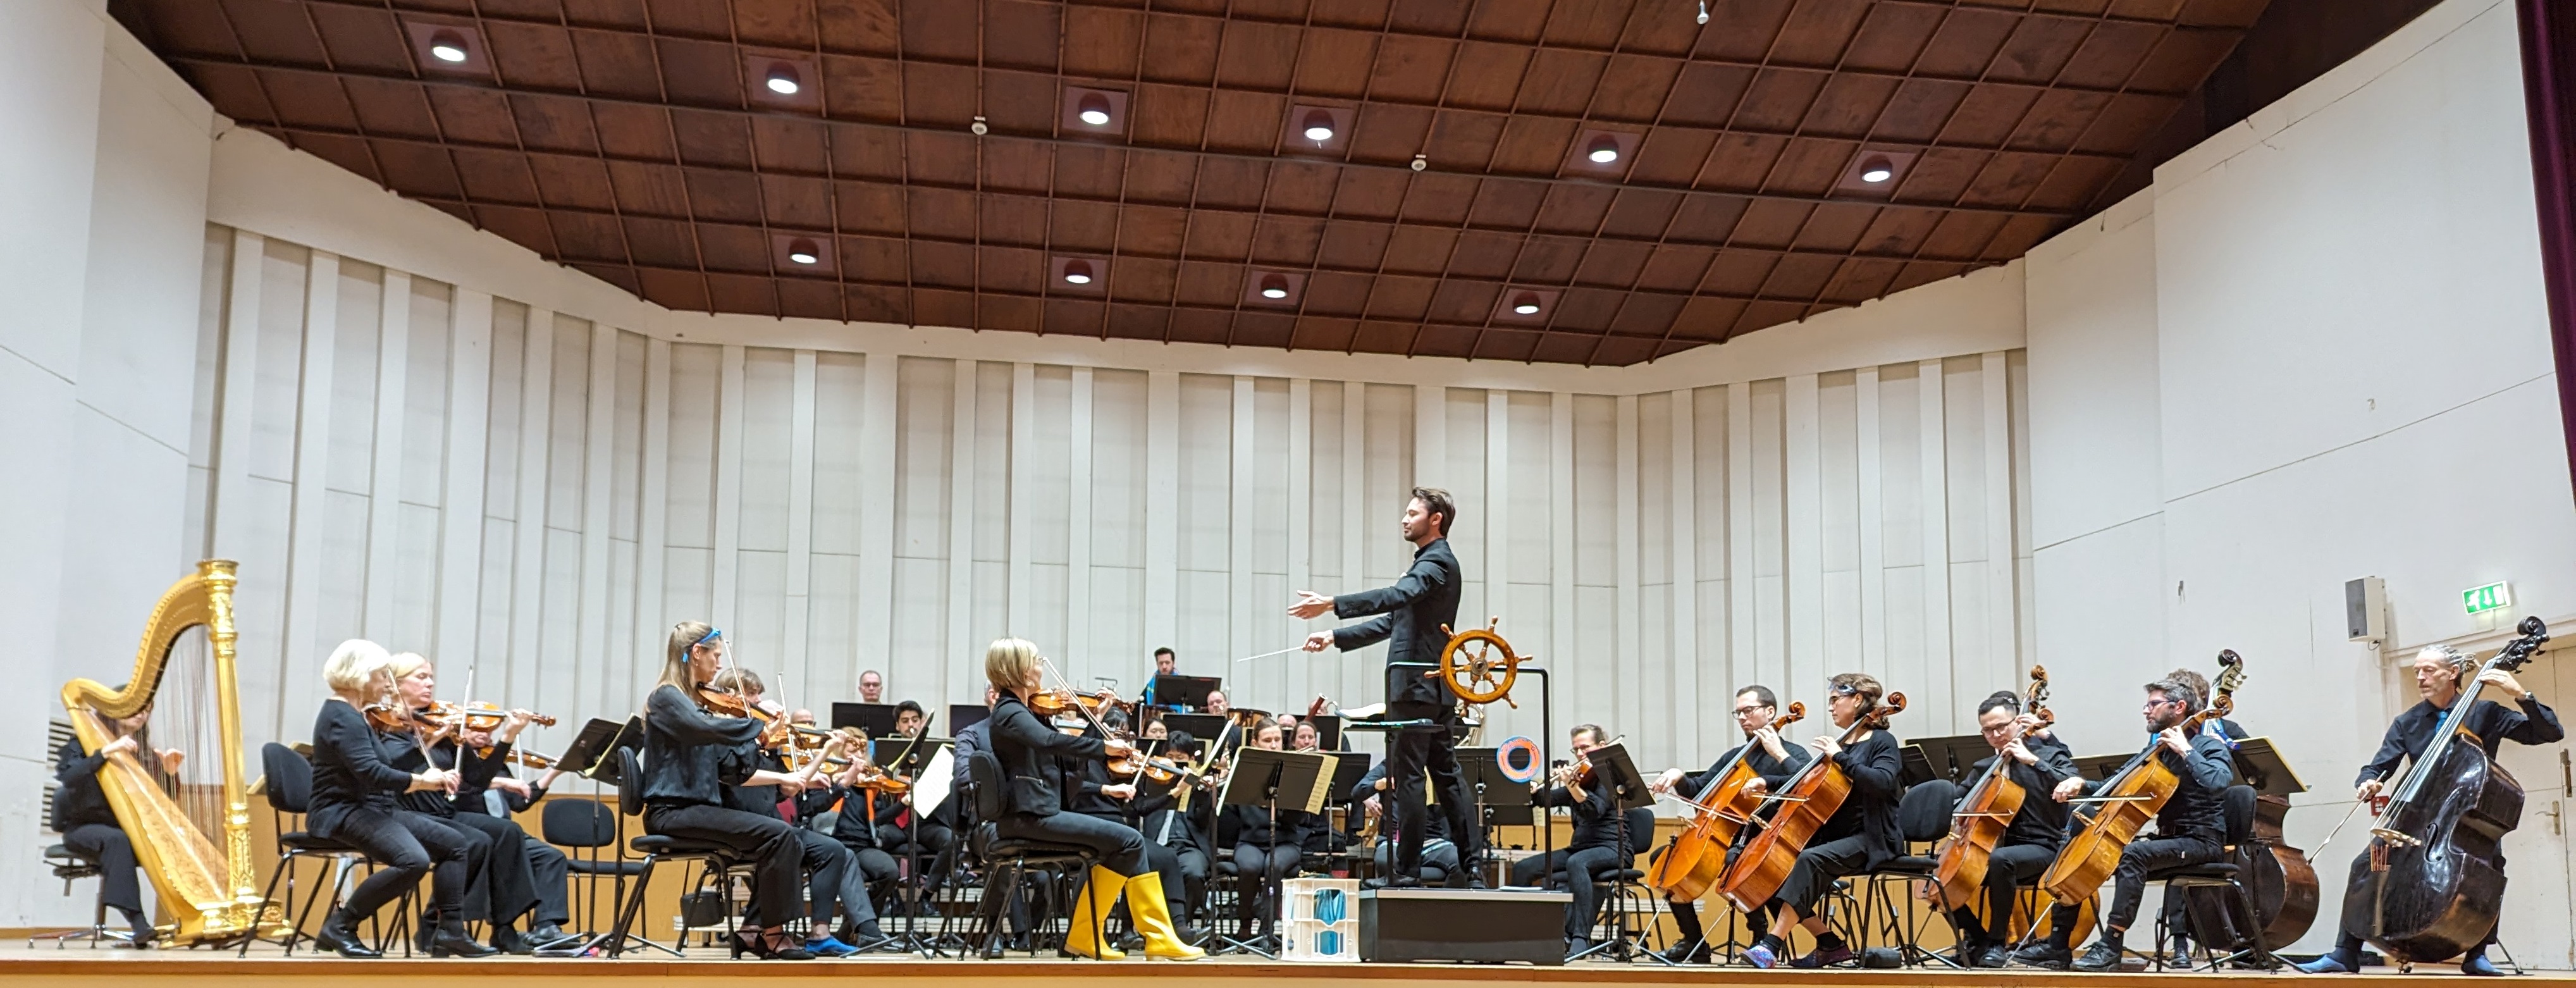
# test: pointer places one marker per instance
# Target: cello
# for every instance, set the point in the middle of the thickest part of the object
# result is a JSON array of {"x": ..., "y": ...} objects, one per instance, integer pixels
[
  {"x": 1983, "y": 815},
  {"x": 2131, "y": 798},
  {"x": 1696, "y": 858},
  {"x": 2436, "y": 868},
  {"x": 1808, "y": 801}
]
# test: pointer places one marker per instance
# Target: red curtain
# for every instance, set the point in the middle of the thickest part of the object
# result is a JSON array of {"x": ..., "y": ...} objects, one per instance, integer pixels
[{"x": 2549, "y": 97}]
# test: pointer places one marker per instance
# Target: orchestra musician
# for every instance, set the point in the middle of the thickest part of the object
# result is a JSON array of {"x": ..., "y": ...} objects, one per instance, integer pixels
[
  {"x": 690, "y": 757},
  {"x": 1269, "y": 843},
  {"x": 2226, "y": 730},
  {"x": 501, "y": 793},
  {"x": 2189, "y": 830},
  {"x": 355, "y": 800},
  {"x": 88, "y": 823},
  {"x": 1090, "y": 791},
  {"x": 1861, "y": 835},
  {"x": 2437, "y": 679},
  {"x": 1596, "y": 835},
  {"x": 1773, "y": 763},
  {"x": 834, "y": 885},
  {"x": 1409, "y": 617},
  {"x": 1034, "y": 811},
  {"x": 1182, "y": 832},
  {"x": 2037, "y": 830},
  {"x": 897, "y": 830},
  {"x": 500, "y": 884}
]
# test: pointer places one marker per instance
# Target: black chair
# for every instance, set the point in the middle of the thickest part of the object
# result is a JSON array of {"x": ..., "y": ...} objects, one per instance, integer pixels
[
  {"x": 289, "y": 788},
  {"x": 1006, "y": 861},
  {"x": 590, "y": 827},
  {"x": 715, "y": 861},
  {"x": 1922, "y": 817},
  {"x": 1621, "y": 895},
  {"x": 70, "y": 868},
  {"x": 2224, "y": 877}
]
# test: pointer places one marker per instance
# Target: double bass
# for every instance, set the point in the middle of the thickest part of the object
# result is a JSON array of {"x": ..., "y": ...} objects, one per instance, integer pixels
[
  {"x": 1983, "y": 815},
  {"x": 2130, "y": 799},
  {"x": 1810, "y": 799},
  {"x": 1696, "y": 858},
  {"x": 2436, "y": 871}
]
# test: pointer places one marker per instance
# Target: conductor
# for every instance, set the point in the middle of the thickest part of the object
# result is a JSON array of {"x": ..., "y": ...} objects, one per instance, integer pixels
[{"x": 1409, "y": 618}]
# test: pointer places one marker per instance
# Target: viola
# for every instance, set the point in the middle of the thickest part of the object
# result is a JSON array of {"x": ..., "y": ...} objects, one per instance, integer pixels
[
  {"x": 2436, "y": 862},
  {"x": 1696, "y": 858},
  {"x": 2131, "y": 798},
  {"x": 1807, "y": 802},
  {"x": 1982, "y": 817}
]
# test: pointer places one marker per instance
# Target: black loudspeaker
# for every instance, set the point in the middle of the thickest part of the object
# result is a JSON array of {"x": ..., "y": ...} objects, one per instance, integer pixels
[{"x": 1486, "y": 926}]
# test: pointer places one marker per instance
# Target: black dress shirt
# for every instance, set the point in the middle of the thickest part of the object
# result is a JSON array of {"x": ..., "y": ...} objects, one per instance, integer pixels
[
  {"x": 1874, "y": 766},
  {"x": 80, "y": 799},
  {"x": 1027, "y": 750},
  {"x": 2199, "y": 804},
  {"x": 2528, "y": 721},
  {"x": 1775, "y": 772},
  {"x": 1409, "y": 617},
  {"x": 1594, "y": 815},
  {"x": 2042, "y": 819},
  {"x": 353, "y": 766},
  {"x": 690, "y": 756}
]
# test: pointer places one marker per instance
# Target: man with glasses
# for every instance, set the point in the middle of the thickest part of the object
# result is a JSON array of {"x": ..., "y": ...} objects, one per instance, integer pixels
[
  {"x": 2031, "y": 840},
  {"x": 1773, "y": 762},
  {"x": 2189, "y": 831}
]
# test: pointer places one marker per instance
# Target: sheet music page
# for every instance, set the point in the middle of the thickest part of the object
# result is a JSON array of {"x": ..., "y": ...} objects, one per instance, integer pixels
[
  {"x": 930, "y": 788},
  {"x": 1323, "y": 793}
]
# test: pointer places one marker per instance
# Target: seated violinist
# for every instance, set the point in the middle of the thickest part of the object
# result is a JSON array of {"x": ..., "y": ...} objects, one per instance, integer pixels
[
  {"x": 2031, "y": 840},
  {"x": 1269, "y": 844},
  {"x": 1596, "y": 836},
  {"x": 834, "y": 888},
  {"x": 501, "y": 884},
  {"x": 88, "y": 824},
  {"x": 897, "y": 829},
  {"x": 2437, "y": 679},
  {"x": 1772, "y": 763},
  {"x": 1861, "y": 835},
  {"x": 487, "y": 788},
  {"x": 2189, "y": 831}
]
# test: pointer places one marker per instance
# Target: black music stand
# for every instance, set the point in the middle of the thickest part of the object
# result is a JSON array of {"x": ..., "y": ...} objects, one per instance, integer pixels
[
  {"x": 1183, "y": 693},
  {"x": 1348, "y": 768},
  {"x": 904, "y": 756},
  {"x": 1951, "y": 756},
  {"x": 1208, "y": 728},
  {"x": 2260, "y": 765},
  {"x": 1265, "y": 778},
  {"x": 1612, "y": 767},
  {"x": 875, "y": 718},
  {"x": 1916, "y": 766},
  {"x": 1328, "y": 731},
  {"x": 2100, "y": 768}
]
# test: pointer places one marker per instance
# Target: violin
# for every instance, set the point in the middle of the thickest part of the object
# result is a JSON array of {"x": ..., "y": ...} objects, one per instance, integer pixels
[
  {"x": 774, "y": 731},
  {"x": 1696, "y": 858},
  {"x": 2130, "y": 799},
  {"x": 2436, "y": 862},
  {"x": 393, "y": 717},
  {"x": 1058, "y": 702},
  {"x": 1806, "y": 803},
  {"x": 1982, "y": 817}
]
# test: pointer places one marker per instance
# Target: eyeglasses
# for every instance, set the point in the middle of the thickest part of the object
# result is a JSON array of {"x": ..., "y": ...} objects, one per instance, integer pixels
[
  {"x": 2152, "y": 704},
  {"x": 1750, "y": 711}
]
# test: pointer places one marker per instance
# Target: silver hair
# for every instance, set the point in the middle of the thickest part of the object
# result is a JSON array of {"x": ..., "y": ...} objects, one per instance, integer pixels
[{"x": 2459, "y": 661}]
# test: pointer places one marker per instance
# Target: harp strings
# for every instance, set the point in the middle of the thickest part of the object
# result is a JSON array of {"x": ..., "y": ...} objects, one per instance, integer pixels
[{"x": 183, "y": 717}]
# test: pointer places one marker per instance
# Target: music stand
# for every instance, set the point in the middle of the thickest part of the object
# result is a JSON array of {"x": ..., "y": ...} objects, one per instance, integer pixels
[
  {"x": 1611, "y": 767},
  {"x": 2100, "y": 768},
  {"x": 2260, "y": 765},
  {"x": 1348, "y": 768},
  {"x": 964, "y": 715},
  {"x": 1328, "y": 731},
  {"x": 1266, "y": 778},
  {"x": 875, "y": 718},
  {"x": 1917, "y": 766},
  {"x": 1184, "y": 692},
  {"x": 1952, "y": 756},
  {"x": 597, "y": 738},
  {"x": 588, "y": 757},
  {"x": 1208, "y": 728}
]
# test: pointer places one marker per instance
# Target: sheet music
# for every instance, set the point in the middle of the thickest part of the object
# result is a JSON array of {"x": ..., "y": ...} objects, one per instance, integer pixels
[
  {"x": 1322, "y": 793},
  {"x": 930, "y": 787}
]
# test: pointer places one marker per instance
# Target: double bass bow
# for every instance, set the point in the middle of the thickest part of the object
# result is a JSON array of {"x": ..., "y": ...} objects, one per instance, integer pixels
[
  {"x": 2436, "y": 872},
  {"x": 1696, "y": 858},
  {"x": 2131, "y": 798},
  {"x": 1983, "y": 816},
  {"x": 1807, "y": 802}
]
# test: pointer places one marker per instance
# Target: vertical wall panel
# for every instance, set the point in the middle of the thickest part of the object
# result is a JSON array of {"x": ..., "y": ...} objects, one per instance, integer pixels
[{"x": 1936, "y": 692}]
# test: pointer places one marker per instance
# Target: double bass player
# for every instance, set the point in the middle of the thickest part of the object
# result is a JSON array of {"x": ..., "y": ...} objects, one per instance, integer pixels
[{"x": 2438, "y": 671}]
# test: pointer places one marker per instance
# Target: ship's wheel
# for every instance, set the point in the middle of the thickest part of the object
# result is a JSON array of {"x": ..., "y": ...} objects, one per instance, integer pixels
[{"x": 1477, "y": 665}]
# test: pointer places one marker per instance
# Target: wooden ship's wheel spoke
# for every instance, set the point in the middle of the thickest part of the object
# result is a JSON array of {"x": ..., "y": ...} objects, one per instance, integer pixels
[{"x": 1478, "y": 666}]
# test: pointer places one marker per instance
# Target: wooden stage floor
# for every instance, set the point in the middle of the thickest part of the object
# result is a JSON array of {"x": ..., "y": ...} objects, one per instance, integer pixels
[{"x": 82, "y": 967}]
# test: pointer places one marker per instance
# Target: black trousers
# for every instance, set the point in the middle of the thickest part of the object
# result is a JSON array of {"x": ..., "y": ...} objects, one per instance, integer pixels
[
  {"x": 1408, "y": 754},
  {"x": 1257, "y": 868},
  {"x": 1579, "y": 867},
  {"x": 1817, "y": 868},
  {"x": 405, "y": 846},
  {"x": 933, "y": 836},
  {"x": 1119, "y": 847},
  {"x": 2006, "y": 869},
  {"x": 553, "y": 873},
  {"x": 777, "y": 856},
  {"x": 1194, "y": 875},
  {"x": 106, "y": 846},
  {"x": 501, "y": 883},
  {"x": 2138, "y": 860}
]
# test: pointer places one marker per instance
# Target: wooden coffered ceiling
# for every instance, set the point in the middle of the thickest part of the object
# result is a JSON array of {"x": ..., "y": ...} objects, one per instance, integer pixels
[{"x": 636, "y": 140}]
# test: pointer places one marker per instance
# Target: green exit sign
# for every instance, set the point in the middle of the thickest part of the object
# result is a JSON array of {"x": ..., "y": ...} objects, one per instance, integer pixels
[{"x": 2487, "y": 598}]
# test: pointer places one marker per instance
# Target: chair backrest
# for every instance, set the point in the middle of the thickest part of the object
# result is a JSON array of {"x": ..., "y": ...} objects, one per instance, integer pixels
[
  {"x": 1923, "y": 813},
  {"x": 984, "y": 773},
  {"x": 290, "y": 778},
  {"x": 2238, "y": 809},
  {"x": 630, "y": 782},
  {"x": 1641, "y": 833},
  {"x": 579, "y": 822}
]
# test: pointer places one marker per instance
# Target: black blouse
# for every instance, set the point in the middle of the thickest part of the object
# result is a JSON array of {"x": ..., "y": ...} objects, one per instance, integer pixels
[
  {"x": 80, "y": 799},
  {"x": 690, "y": 755},
  {"x": 353, "y": 767}
]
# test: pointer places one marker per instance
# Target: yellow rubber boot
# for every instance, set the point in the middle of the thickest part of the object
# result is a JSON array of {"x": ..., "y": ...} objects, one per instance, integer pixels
[
  {"x": 1153, "y": 916},
  {"x": 1090, "y": 913}
]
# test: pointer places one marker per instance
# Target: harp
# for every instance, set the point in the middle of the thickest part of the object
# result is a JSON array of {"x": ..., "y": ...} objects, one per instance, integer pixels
[{"x": 191, "y": 827}]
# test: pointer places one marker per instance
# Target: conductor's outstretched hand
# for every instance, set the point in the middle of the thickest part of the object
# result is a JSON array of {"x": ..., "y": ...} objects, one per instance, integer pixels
[{"x": 1310, "y": 605}]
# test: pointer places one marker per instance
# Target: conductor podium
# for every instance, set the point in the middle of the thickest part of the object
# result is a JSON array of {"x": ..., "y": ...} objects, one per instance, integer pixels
[{"x": 1491, "y": 926}]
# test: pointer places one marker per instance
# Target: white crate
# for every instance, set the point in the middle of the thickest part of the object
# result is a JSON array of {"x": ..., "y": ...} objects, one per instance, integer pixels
[
  {"x": 1323, "y": 900},
  {"x": 1308, "y": 940}
]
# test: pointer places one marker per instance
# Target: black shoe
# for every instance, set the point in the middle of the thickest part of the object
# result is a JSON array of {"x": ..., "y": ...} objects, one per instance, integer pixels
[
  {"x": 337, "y": 936},
  {"x": 1994, "y": 957},
  {"x": 1825, "y": 957},
  {"x": 1394, "y": 882},
  {"x": 508, "y": 941},
  {"x": 2100, "y": 957},
  {"x": 1575, "y": 947},
  {"x": 546, "y": 933},
  {"x": 2181, "y": 958},
  {"x": 1692, "y": 951},
  {"x": 446, "y": 943},
  {"x": 2043, "y": 954}
]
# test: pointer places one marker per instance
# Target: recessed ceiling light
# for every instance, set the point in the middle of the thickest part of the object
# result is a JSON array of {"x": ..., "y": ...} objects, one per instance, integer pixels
[
  {"x": 1319, "y": 126},
  {"x": 1604, "y": 150},
  {"x": 447, "y": 46},
  {"x": 782, "y": 80},
  {"x": 1077, "y": 272},
  {"x": 1876, "y": 170},
  {"x": 1093, "y": 109},
  {"x": 1525, "y": 304},
  {"x": 1274, "y": 286}
]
